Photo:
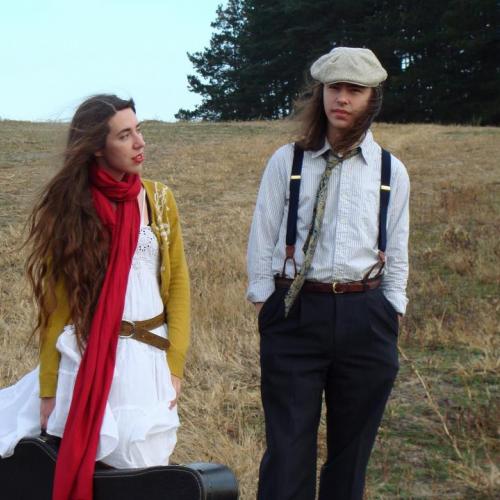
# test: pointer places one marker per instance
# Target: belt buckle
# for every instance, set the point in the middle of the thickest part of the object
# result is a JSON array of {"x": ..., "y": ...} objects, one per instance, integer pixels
[
  {"x": 334, "y": 285},
  {"x": 131, "y": 335}
]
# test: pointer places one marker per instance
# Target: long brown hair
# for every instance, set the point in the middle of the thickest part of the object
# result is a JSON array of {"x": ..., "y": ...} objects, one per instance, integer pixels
[
  {"x": 69, "y": 246},
  {"x": 310, "y": 113}
]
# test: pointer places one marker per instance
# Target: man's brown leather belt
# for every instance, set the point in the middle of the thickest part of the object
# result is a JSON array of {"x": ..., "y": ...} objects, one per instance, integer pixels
[
  {"x": 317, "y": 287},
  {"x": 139, "y": 330}
]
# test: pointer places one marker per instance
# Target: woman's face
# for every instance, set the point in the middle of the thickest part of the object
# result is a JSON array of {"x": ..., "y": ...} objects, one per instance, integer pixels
[{"x": 124, "y": 149}]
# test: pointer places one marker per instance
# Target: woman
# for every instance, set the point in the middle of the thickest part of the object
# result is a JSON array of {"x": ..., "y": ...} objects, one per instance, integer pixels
[{"x": 110, "y": 279}]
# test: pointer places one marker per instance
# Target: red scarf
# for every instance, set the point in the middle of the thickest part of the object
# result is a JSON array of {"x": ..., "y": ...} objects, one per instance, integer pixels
[{"x": 76, "y": 460}]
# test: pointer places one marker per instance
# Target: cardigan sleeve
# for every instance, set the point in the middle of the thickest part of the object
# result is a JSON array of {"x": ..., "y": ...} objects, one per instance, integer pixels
[
  {"x": 49, "y": 355},
  {"x": 178, "y": 303}
]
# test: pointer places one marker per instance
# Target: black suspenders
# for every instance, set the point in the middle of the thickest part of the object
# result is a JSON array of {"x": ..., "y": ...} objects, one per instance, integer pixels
[
  {"x": 385, "y": 192},
  {"x": 293, "y": 207},
  {"x": 293, "y": 204}
]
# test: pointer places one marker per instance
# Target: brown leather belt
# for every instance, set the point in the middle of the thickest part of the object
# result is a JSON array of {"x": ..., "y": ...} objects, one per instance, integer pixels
[
  {"x": 317, "y": 287},
  {"x": 139, "y": 330}
]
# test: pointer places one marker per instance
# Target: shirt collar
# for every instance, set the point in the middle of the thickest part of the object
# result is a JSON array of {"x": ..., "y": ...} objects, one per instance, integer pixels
[
  {"x": 326, "y": 147},
  {"x": 366, "y": 146}
]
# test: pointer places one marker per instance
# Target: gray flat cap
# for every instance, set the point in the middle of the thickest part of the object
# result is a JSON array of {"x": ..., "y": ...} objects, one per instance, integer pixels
[{"x": 349, "y": 65}]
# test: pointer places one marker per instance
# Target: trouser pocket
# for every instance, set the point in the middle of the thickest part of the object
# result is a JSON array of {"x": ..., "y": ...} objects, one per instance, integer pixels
[
  {"x": 381, "y": 313},
  {"x": 273, "y": 309},
  {"x": 388, "y": 306}
]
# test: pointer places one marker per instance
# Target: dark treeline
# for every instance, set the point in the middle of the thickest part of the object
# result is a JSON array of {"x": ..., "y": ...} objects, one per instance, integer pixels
[{"x": 441, "y": 56}]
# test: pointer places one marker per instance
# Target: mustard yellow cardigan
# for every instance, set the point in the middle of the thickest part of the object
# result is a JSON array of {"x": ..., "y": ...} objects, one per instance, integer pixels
[{"x": 174, "y": 280}]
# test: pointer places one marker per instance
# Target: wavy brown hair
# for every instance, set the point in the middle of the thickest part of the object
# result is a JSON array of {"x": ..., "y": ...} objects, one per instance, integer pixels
[
  {"x": 69, "y": 245},
  {"x": 310, "y": 113}
]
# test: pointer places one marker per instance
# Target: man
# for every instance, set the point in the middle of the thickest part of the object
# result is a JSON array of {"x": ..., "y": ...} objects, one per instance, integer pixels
[{"x": 328, "y": 265}]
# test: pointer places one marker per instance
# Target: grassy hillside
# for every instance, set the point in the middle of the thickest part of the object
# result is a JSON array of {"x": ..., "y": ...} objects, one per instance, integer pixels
[{"x": 439, "y": 437}]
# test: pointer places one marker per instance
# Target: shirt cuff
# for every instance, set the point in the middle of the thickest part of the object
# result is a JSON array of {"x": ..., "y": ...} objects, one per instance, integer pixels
[
  {"x": 398, "y": 300},
  {"x": 259, "y": 291}
]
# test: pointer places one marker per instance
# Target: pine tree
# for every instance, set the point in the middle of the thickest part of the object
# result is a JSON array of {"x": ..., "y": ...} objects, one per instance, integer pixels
[{"x": 219, "y": 68}]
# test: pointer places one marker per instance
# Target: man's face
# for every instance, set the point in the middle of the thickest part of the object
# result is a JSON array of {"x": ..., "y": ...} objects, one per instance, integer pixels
[{"x": 344, "y": 103}]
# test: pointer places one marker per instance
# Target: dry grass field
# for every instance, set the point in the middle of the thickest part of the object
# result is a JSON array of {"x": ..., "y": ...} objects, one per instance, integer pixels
[{"x": 439, "y": 437}]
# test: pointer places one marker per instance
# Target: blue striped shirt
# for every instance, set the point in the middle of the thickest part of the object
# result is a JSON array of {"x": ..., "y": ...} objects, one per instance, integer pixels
[{"x": 348, "y": 242}]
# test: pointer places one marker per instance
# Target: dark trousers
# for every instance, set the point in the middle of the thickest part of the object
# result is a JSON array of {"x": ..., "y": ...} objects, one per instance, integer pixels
[{"x": 344, "y": 345}]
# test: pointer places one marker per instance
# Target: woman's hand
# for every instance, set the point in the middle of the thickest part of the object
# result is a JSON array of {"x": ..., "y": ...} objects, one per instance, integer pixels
[
  {"x": 176, "y": 382},
  {"x": 46, "y": 408}
]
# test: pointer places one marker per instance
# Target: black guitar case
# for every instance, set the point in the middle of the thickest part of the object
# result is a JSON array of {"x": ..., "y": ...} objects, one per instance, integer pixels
[{"x": 28, "y": 474}]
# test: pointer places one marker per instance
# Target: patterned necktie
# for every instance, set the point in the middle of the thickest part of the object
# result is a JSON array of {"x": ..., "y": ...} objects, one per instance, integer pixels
[{"x": 313, "y": 236}]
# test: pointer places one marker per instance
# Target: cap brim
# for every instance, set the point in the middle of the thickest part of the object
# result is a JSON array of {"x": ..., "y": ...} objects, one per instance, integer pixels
[{"x": 351, "y": 83}]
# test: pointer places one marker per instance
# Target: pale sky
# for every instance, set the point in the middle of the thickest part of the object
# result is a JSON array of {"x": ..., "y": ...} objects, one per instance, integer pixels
[{"x": 54, "y": 53}]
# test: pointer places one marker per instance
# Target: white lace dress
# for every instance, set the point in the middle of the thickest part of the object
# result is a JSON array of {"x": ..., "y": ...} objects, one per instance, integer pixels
[{"x": 138, "y": 429}]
